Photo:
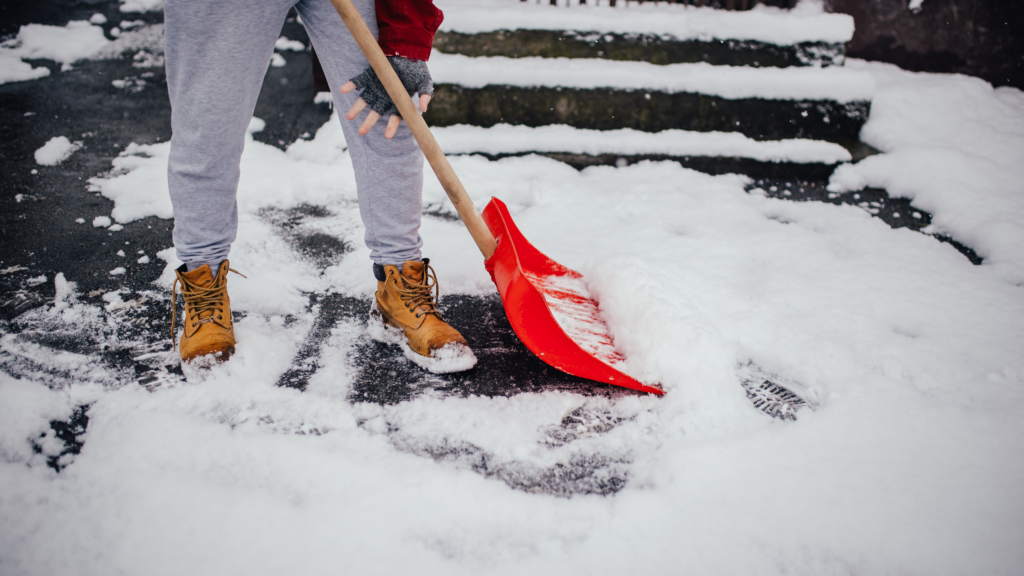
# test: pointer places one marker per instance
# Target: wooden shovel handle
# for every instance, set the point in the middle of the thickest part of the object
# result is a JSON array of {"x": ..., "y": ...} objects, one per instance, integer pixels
[{"x": 403, "y": 101}]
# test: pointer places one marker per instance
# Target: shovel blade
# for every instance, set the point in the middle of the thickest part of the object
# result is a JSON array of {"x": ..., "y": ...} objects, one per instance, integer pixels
[{"x": 550, "y": 309}]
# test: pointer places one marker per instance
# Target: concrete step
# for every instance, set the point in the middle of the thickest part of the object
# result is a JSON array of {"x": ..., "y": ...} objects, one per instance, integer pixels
[
  {"x": 657, "y": 33},
  {"x": 765, "y": 74},
  {"x": 709, "y": 152},
  {"x": 653, "y": 48},
  {"x": 647, "y": 111},
  {"x": 763, "y": 103}
]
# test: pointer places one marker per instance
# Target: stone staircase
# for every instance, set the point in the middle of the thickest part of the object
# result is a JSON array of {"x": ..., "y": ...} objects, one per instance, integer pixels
[{"x": 670, "y": 82}]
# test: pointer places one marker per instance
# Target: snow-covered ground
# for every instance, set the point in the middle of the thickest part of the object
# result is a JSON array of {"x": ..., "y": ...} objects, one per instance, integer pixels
[
  {"x": 909, "y": 459},
  {"x": 956, "y": 147}
]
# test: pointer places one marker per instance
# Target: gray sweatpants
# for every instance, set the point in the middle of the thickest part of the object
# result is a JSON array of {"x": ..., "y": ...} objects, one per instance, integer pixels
[{"x": 217, "y": 53}]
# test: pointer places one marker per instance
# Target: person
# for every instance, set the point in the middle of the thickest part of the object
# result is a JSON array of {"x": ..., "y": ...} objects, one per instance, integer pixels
[{"x": 217, "y": 52}]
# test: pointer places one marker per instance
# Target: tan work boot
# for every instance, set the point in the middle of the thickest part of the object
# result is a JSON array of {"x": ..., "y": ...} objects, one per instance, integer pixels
[
  {"x": 209, "y": 329},
  {"x": 406, "y": 301}
]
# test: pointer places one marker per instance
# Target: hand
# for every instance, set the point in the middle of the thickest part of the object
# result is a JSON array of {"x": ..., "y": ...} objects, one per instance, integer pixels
[
  {"x": 414, "y": 76},
  {"x": 373, "y": 116}
]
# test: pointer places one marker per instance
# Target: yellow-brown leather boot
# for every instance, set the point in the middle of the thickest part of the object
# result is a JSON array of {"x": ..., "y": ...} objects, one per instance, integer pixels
[
  {"x": 209, "y": 329},
  {"x": 406, "y": 299}
]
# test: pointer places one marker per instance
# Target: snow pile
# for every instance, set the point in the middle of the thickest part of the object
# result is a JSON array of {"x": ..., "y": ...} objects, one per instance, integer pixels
[
  {"x": 25, "y": 411},
  {"x": 284, "y": 43},
  {"x": 955, "y": 146},
  {"x": 836, "y": 83},
  {"x": 56, "y": 150},
  {"x": 13, "y": 69},
  {"x": 577, "y": 314},
  {"x": 141, "y": 5},
  {"x": 144, "y": 39},
  {"x": 79, "y": 40},
  {"x": 65, "y": 45},
  {"x": 508, "y": 139},
  {"x": 807, "y": 23}
]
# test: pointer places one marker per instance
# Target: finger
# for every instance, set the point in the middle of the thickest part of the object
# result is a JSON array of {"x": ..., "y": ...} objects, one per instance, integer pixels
[
  {"x": 348, "y": 87},
  {"x": 371, "y": 119},
  {"x": 355, "y": 109},
  {"x": 424, "y": 100},
  {"x": 393, "y": 123}
]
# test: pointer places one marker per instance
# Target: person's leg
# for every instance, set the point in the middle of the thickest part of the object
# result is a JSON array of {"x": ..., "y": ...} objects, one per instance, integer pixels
[
  {"x": 389, "y": 179},
  {"x": 389, "y": 173},
  {"x": 217, "y": 53}
]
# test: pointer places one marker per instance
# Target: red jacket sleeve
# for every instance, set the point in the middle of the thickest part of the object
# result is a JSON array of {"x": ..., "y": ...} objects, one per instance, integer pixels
[{"x": 407, "y": 27}]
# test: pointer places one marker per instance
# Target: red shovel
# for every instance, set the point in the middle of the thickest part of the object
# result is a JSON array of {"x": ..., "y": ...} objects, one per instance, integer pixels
[{"x": 546, "y": 303}]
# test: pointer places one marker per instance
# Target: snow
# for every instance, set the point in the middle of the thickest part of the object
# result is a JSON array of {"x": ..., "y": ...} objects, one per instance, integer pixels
[
  {"x": 908, "y": 460},
  {"x": 452, "y": 357},
  {"x": 284, "y": 43},
  {"x": 12, "y": 69},
  {"x": 954, "y": 145},
  {"x": 508, "y": 139},
  {"x": 56, "y": 150},
  {"x": 65, "y": 45},
  {"x": 807, "y": 23},
  {"x": 836, "y": 83},
  {"x": 98, "y": 18},
  {"x": 25, "y": 411},
  {"x": 147, "y": 39},
  {"x": 277, "y": 61},
  {"x": 101, "y": 222},
  {"x": 577, "y": 314},
  {"x": 141, "y": 5}
]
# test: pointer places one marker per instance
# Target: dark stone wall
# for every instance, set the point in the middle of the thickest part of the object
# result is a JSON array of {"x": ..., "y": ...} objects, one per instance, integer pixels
[{"x": 982, "y": 38}]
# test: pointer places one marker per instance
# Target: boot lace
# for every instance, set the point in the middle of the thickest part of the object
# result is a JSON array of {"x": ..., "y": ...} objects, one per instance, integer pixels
[
  {"x": 201, "y": 302},
  {"x": 420, "y": 297}
]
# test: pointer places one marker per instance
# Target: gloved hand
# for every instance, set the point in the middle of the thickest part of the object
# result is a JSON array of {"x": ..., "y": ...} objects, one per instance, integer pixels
[{"x": 414, "y": 76}]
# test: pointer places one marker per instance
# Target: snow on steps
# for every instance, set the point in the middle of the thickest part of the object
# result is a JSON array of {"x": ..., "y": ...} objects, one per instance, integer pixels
[
  {"x": 594, "y": 79},
  {"x": 653, "y": 48},
  {"x": 661, "y": 34},
  {"x": 834, "y": 83},
  {"x": 763, "y": 103},
  {"x": 710, "y": 152},
  {"x": 806, "y": 23}
]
